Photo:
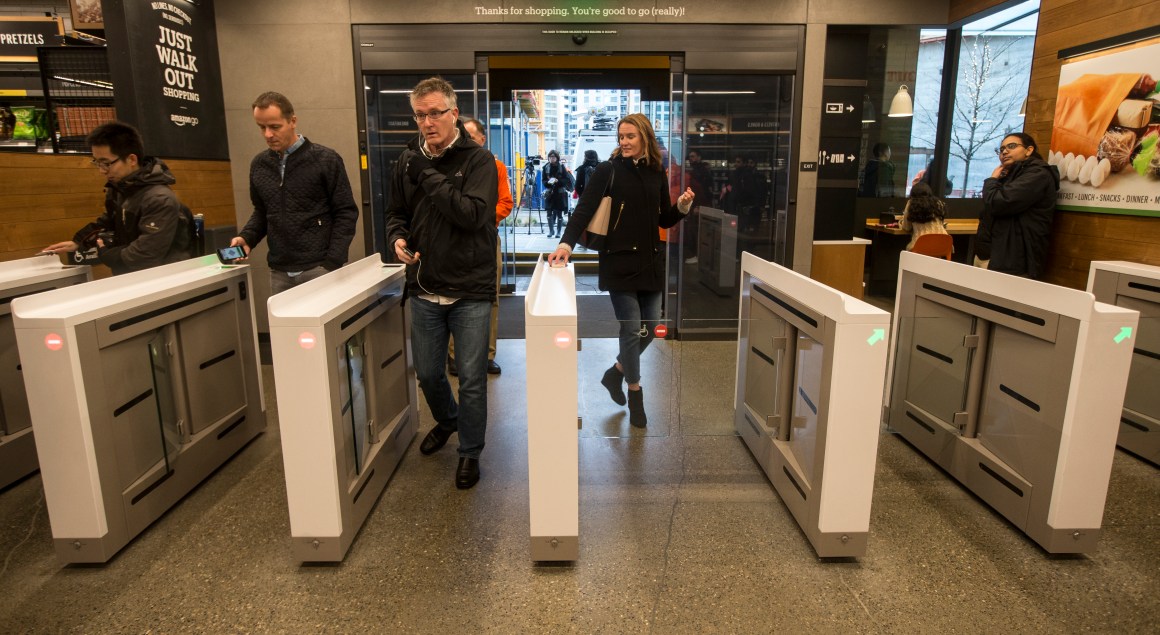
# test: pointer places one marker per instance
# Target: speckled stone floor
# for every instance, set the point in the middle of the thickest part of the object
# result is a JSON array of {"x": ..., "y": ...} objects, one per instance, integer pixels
[{"x": 681, "y": 532}]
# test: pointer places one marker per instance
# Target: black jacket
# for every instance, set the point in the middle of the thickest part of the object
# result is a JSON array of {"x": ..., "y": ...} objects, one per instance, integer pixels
[
  {"x": 1015, "y": 228},
  {"x": 309, "y": 215},
  {"x": 556, "y": 196},
  {"x": 448, "y": 217},
  {"x": 633, "y": 258},
  {"x": 150, "y": 226},
  {"x": 584, "y": 172}
]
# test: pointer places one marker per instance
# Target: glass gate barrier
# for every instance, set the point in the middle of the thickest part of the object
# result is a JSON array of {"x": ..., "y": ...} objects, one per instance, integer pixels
[
  {"x": 346, "y": 399},
  {"x": 19, "y": 278},
  {"x": 163, "y": 364},
  {"x": 1136, "y": 286},
  {"x": 1015, "y": 388}
]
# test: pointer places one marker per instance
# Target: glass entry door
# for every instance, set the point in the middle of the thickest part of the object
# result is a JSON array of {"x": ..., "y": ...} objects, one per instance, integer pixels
[
  {"x": 737, "y": 140},
  {"x": 540, "y": 104}
]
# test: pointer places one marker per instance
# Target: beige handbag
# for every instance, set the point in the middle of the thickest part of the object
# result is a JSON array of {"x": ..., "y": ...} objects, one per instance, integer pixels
[{"x": 594, "y": 235}]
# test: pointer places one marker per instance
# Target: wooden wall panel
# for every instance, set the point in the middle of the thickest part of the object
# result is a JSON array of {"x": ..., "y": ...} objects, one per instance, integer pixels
[
  {"x": 963, "y": 9},
  {"x": 46, "y": 198},
  {"x": 1079, "y": 238}
]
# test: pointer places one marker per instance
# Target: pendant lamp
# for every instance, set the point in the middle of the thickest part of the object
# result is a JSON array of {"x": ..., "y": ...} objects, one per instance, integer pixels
[{"x": 902, "y": 105}]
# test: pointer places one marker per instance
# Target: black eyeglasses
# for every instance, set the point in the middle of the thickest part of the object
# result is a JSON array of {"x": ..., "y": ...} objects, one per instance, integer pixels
[
  {"x": 419, "y": 117},
  {"x": 101, "y": 164},
  {"x": 1009, "y": 147}
]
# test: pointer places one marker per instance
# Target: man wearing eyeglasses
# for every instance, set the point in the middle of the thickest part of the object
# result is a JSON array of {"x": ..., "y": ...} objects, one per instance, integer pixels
[
  {"x": 144, "y": 225},
  {"x": 440, "y": 222},
  {"x": 303, "y": 203}
]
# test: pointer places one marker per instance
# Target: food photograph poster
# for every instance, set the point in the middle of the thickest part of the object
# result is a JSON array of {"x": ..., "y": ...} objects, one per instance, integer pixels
[{"x": 1107, "y": 123}]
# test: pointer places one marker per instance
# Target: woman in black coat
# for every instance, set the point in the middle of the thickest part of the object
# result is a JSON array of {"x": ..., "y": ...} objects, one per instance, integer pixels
[
  {"x": 632, "y": 261},
  {"x": 1018, "y": 207},
  {"x": 557, "y": 183}
]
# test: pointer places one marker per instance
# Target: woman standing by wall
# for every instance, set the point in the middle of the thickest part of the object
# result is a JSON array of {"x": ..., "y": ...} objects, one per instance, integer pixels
[{"x": 632, "y": 262}]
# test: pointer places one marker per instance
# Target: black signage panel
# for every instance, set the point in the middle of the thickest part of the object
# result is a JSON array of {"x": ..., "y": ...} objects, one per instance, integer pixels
[
  {"x": 834, "y": 215},
  {"x": 20, "y": 36},
  {"x": 164, "y": 60},
  {"x": 838, "y": 158},
  {"x": 842, "y": 111}
]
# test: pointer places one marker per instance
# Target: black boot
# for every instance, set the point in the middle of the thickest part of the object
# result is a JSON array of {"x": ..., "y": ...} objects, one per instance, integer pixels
[
  {"x": 636, "y": 414},
  {"x": 612, "y": 380}
]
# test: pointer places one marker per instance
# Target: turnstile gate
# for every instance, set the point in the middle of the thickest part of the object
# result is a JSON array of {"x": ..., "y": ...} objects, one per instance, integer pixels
[
  {"x": 811, "y": 363},
  {"x": 553, "y": 408},
  {"x": 1136, "y": 287},
  {"x": 346, "y": 399},
  {"x": 19, "y": 278},
  {"x": 139, "y": 387},
  {"x": 1015, "y": 388}
]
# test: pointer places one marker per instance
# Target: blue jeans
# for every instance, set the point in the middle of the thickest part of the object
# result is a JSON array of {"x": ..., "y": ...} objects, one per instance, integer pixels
[
  {"x": 431, "y": 325},
  {"x": 638, "y": 313}
]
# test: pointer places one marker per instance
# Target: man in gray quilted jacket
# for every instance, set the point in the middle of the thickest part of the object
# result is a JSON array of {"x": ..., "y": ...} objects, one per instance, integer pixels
[{"x": 303, "y": 204}]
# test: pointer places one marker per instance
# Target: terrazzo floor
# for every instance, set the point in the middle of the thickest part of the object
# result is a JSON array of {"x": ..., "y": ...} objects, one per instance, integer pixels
[{"x": 680, "y": 532}]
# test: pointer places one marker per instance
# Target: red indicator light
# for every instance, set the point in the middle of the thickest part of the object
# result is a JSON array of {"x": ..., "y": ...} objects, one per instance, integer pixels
[
  {"x": 661, "y": 330},
  {"x": 54, "y": 342},
  {"x": 563, "y": 339},
  {"x": 306, "y": 340}
]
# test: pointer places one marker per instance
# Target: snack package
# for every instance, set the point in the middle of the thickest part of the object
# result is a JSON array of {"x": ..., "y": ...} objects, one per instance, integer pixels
[
  {"x": 7, "y": 122},
  {"x": 40, "y": 124},
  {"x": 1116, "y": 147},
  {"x": 23, "y": 127}
]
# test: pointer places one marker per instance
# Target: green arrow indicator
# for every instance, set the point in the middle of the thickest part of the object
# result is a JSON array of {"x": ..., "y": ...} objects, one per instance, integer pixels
[
  {"x": 880, "y": 334},
  {"x": 1125, "y": 333}
]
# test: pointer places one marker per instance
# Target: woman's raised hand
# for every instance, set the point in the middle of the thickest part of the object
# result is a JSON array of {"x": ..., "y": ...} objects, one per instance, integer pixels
[{"x": 685, "y": 201}]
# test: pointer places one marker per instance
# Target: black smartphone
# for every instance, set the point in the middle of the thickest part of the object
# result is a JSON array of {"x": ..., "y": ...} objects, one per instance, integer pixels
[
  {"x": 229, "y": 254},
  {"x": 410, "y": 254}
]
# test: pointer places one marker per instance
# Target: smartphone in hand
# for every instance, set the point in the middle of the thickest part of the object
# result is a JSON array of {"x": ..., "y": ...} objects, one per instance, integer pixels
[{"x": 227, "y": 255}]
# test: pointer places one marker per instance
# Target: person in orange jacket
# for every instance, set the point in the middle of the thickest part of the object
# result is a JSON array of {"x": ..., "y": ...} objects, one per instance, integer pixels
[{"x": 502, "y": 209}]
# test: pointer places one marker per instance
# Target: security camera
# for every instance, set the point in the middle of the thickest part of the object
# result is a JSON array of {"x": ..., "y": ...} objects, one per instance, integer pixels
[{"x": 579, "y": 39}]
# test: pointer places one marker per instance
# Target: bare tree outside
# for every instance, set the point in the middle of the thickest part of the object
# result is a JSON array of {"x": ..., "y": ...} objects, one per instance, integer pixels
[
  {"x": 985, "y": 99},
  {"x": 991, "y": 86}
]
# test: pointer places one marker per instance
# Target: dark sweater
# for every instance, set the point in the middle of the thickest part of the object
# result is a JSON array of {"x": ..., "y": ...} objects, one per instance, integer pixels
[{"x": 309, "y": 216}]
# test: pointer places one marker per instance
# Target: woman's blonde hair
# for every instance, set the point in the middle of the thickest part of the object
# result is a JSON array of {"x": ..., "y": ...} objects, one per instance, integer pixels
[{"x": 652, "y": 149}]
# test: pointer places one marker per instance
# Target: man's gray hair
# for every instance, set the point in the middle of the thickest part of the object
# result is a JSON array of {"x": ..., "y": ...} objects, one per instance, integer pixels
[{"x": 435, "y": 85}]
